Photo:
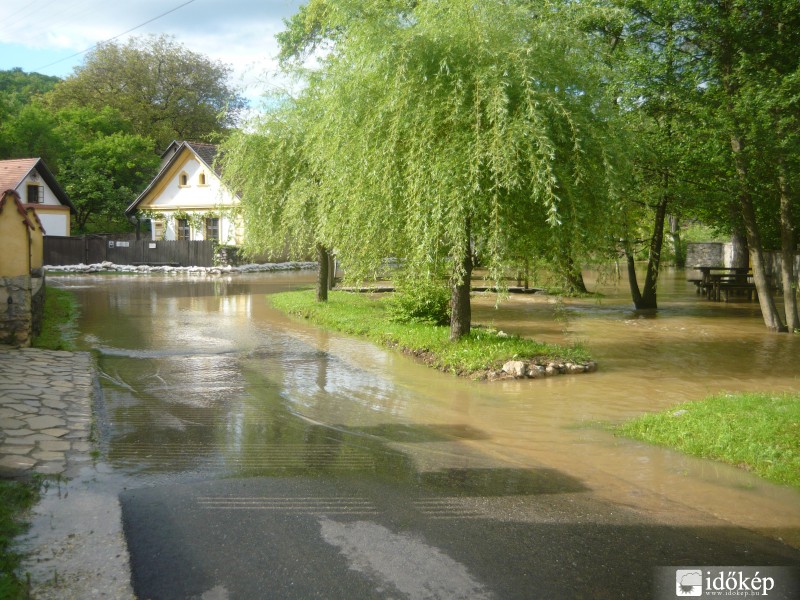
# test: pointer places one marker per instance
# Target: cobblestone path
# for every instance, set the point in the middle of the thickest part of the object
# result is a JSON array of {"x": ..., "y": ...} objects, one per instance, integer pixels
[{"x": 45, "y": 411}]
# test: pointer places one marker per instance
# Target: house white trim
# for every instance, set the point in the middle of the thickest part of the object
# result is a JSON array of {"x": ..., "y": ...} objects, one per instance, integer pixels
[{"x": 187, "y": 199}]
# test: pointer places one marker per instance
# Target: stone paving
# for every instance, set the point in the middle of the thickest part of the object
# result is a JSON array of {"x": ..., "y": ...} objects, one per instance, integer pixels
[{"x": 45, "y": 410}]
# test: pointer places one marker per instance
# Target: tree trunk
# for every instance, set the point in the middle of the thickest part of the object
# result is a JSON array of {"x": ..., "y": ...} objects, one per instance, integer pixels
[
  {"x": 769, "y": 311},
  {"x": 322, "y": 274},
  {"x": 675, "y": 238},
  {"x": 788, "y": 246},
  {"x": 574, "y": 277},
  {"x": 649, "y": 296},
  {"x": 331, "y": 271},
  {"x": 740, "y": 256},
  {"x": 460, "y": 309},
  {"x": 636, "y": 294}
]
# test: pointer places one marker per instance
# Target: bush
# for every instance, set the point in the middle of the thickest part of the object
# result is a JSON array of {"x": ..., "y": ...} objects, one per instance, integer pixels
[{"x": 421, "y": 302}]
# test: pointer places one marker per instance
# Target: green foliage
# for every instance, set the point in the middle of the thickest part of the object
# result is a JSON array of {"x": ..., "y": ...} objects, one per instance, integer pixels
[
  {"x": 16, "y": 497},
  {"x": 421, "y": 301},
  {"x": 104, "y": 174},
  {"x": 17, "y": 90},
  {"x": 166, "y": 91},
  {"x": 60, "y": 317},
  {"x": 368, "y": 317},
  {"x": 269, "y": 168},
  {"x": 31, "y": 132},
  {"x": 757, "y": 432},
  {"x": 435, "y": 131}
]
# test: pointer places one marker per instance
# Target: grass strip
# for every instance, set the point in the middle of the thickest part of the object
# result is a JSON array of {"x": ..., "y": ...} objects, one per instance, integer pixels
[
  {"x": 59, "y": 321},
  {"x": 756, "y": 432},
  {"x": 474, "y": 355},
  {"x": 16, "y": 497}
]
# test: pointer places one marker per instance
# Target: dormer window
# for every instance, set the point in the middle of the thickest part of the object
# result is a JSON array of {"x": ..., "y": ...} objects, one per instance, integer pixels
[{"x": 183, "y": 180}]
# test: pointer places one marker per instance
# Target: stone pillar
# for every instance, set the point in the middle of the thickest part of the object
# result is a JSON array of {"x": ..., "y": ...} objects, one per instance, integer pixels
[{"x": 16, "y": 322}]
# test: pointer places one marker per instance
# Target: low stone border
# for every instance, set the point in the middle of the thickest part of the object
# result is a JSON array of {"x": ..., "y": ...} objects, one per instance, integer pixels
[
  {"x": 134, "y": 269},
  {"x": 518, "y": 369}
]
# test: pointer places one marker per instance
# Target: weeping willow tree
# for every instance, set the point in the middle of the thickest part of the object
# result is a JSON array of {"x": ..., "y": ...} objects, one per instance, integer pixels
[
  {"x": 446, "y": 129},
  {"x": 269, "y": 166}
]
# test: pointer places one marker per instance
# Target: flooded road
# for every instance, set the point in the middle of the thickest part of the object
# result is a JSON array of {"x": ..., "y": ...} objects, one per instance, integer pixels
[{"x": 201, "y": 379}]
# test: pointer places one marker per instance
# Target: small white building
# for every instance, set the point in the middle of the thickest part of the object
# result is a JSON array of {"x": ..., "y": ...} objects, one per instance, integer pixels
[
  {"x": 38, "y": 190},
  {"x": 187, "y": 200}
]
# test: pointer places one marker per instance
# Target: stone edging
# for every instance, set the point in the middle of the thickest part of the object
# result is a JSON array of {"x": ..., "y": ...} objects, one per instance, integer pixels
[{"x": 519, "y": 369}]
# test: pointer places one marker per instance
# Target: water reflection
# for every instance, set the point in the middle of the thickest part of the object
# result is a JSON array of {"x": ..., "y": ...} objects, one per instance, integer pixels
[{"x": 200, "y": 376}]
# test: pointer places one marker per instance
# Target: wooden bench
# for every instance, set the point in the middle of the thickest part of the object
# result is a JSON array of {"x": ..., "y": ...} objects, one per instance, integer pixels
[{"x": 726, "y": 289}]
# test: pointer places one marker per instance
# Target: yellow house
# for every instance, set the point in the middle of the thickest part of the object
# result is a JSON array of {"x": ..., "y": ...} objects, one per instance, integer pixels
[
  {"x": 22, "y": 287},
  {"x": 38, "y": 189},
  {"x": 16, "y": 231}
]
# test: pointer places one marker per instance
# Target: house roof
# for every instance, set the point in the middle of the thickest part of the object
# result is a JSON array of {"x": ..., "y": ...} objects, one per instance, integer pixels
[
  {"x": 14, "y": 171},
  {"x": 205, "y": 153}
]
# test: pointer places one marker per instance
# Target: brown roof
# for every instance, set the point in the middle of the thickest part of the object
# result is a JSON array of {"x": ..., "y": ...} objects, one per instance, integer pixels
[
  {"x": 12, "y": 172},
  {"x": 205, "y": 152}
]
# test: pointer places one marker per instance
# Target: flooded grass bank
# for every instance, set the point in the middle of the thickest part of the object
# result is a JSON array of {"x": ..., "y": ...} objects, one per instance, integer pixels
[
  {"x": 756, "y": 432},
  {"x": 479, "y": 355},
  {"x": 16, "y": 497}
]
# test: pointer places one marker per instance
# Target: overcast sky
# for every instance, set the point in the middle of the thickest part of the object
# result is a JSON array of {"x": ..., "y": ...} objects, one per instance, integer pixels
[{"x": 240, "y": 33}]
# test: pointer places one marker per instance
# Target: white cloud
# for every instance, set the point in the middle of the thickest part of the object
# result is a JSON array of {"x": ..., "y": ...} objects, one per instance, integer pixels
[{"x": 240, "y": 33}]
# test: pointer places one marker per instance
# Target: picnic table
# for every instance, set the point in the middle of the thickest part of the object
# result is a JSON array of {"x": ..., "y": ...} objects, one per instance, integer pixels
[{"x": 716, "y": 282}]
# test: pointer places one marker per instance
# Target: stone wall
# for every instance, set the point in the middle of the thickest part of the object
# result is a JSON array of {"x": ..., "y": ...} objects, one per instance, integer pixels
[
  {"x": 719, "y": 254},
  {"x": 705, "y": 254},
  {"x": 16, "y": 315}
]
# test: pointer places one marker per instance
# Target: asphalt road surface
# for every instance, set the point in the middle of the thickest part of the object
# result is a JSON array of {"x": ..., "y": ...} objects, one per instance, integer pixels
[{"x": 350, "y": 538}]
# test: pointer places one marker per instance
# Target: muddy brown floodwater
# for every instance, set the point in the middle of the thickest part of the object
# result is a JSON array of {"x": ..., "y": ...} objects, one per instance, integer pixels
[{"x": 201, "y": 378}]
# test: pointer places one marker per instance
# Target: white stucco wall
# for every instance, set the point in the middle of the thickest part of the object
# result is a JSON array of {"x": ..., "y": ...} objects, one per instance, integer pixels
[
  {"x": 193, "y": 196},
  {"x": 195, "y": 199},
  {"x": 54, "y": 223}
]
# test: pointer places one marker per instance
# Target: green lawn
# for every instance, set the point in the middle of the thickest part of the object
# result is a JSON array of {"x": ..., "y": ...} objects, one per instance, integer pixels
[
  {"x": 368, "y": 316},
  {"x": 60, "y": 315},
  {"x": 757, "y": 432}
]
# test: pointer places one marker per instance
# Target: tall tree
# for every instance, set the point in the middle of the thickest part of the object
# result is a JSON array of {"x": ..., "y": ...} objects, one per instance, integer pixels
[
  {"x": 651, "y": 82},
  {"x": 745, "y": 45},
  {"x": 445, "y": 126},
  {"x": 167, "y": 91},
  {"x": 268, "y": 164}
]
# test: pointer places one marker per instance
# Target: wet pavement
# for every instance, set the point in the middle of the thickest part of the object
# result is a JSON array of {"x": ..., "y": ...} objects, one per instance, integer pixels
[{"x": 45, "y": 411}]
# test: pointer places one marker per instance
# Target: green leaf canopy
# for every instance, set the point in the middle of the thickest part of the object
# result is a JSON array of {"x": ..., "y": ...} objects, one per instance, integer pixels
[{"x": 455, "y": 127}]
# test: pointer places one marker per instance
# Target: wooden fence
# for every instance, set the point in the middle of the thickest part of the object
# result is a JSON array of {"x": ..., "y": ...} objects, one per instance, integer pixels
[{"x": 96, "y": 249}]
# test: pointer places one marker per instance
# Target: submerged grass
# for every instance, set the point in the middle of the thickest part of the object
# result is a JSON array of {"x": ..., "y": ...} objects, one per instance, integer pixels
[
  {"x": 59, "y": 322},
  {"x": 368, "y": 316},
  {"x": 757, "y": 432},
  {"x": 16, "y": 497}
]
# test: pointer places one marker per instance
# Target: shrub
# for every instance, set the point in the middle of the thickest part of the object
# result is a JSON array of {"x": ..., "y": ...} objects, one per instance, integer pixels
[{"x": 420, "y": 301}]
